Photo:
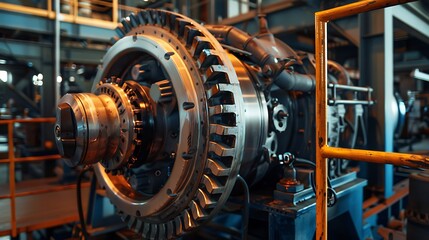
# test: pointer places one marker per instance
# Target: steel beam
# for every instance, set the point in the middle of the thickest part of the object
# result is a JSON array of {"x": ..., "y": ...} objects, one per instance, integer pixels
[
  {"x": 376, "y": 70},
  {"x": 33, "y": 51},
  {"x": 416, "y": 26},
  {"x": 17, "y": 21}
]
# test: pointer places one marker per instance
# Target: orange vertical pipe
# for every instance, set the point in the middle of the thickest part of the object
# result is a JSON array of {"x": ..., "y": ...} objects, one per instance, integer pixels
[
  {"x": 321, "y": 132},
  {"x": 115, "y": 10},
  {"x": 11, "y": 153},
  {"x": 75, "y": 5}
]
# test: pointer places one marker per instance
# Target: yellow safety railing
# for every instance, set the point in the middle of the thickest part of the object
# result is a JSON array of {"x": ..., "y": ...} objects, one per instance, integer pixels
[
  {"x": 323, "y": 151},
  {"x": 111, "y": 8},
  {"x": 11, "y": 160}
]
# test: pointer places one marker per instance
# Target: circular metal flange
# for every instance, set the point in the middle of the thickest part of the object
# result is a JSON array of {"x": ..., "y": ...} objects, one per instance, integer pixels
[
  {"x": 120, "y": 146},
  {"x": 210, "y": 106},
  {"x": 78, "y": 132}
]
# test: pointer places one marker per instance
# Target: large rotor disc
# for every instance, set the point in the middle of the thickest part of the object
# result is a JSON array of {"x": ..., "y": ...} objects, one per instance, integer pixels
[{"x": 209, "y": 104}]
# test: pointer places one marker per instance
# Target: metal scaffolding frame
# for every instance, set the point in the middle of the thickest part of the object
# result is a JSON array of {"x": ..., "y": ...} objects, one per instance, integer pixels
[{"x": 323, "y": 151}]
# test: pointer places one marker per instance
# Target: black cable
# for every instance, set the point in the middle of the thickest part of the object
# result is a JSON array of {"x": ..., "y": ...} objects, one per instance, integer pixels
[
  {"x": 79, "y": 202},
  {"x": 332, "y": 194},
  {"x": 305, "y": 161},
  {"x": 245, "y": 223}
]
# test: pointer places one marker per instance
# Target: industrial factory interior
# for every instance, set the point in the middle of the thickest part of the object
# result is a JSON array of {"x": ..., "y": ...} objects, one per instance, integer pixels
[{"x": 214, "y": 119}]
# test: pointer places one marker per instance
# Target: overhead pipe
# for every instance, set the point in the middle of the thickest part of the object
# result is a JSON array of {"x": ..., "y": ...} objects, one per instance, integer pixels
[{"x": 266, "y": 56}]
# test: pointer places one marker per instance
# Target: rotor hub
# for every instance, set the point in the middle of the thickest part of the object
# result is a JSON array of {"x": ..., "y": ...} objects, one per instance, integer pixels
[{"x": 105, "y": 126}]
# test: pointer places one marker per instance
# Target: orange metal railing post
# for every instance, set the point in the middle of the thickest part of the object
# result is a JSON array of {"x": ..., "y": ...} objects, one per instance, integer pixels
[
  {"x": 115, "y": 10},
  {"x": 322, "y": 150},
  {"x": 75, "y": 7},
  {"x": 11, "y": 160},
  {"x": 321, "y": 132},
  {"x": 11, "y": 153}
]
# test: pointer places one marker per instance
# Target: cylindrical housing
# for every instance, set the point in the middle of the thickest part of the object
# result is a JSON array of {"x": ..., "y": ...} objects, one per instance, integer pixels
[{"x": 85, "y": 123}]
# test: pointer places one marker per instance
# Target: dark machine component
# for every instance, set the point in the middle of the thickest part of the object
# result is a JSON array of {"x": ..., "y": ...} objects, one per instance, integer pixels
[
  {"x": 418, "y": 210},
  {"x": 181, "y": 109}
]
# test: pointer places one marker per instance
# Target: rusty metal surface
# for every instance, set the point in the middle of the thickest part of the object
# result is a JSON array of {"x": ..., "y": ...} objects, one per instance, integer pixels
[{"x": 401, "y": 159}]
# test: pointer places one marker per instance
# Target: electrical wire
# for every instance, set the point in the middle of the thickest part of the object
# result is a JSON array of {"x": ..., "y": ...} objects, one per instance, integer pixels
[
  {"x": 79, "y": 202},
  {"x": 305, "y": 161},
  {"x": 331, "y": 191},
  {"x": 245, "y": 223}
]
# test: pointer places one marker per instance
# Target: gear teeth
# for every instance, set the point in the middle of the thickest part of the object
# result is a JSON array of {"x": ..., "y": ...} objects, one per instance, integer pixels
[
  {"x": 220, "y": 149},
  {"x": 165, "y": 19},
  {"x": 219, "y": 88},
  {"x": 197, "y": 212},
  {"x": 148, "y": 17},
  {"x": 188, "y": 222},
  {"x": 132, "y": 221},
  {"x": 153, "y": 231},
  {"x": 169, "y": 229},
  {"x": 142, "y": 16},
  {"x": 154, "y": 16},
  {"x": 126, "y": 25},
  {"x": 178, "y": 226},
  {"x": 146, "y": 230},
  {"x": 134, "y": 20},
  {"x": 218, "y": 109},
  {"x": 205, "y": 200},
  {"x": 138, "y": 227},
  {"x": 212, "y": 185},
  {"x": 162, "y": 16},
  {"x": 189, "y": 34},
  {"x": 180, "y": 26},
  {"x": 223, "y": 130},
  {"x": 216, "y": 74},
  {"x": 207, "y": 58},
  {"x": 120, "y": 32},
  {"x": 199, "y": 44},
  {"x": 114, "y": 39},
  {"x": 218, "y": 168},
  {"x": 171, "y": 22},
  {"x": 162, "y": 231}
]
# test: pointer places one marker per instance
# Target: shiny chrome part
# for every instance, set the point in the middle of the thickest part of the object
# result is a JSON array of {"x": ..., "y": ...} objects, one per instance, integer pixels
[
  {"x": 280, "y": 115},
  {"x": 256, "y": 121},
  {"x": 82, "y": 135},
  {"x": 100, "y": 126}
]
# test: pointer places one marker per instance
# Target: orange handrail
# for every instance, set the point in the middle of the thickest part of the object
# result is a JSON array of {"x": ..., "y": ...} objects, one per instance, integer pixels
[
  {"x": 323, "y": 151},
  {"x": 12, "y": 160},
  {"x": 72, "y": 17}
]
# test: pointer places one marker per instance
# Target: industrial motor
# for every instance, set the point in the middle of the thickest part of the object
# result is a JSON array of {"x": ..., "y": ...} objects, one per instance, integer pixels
[{"x": 179, "y": 110}]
